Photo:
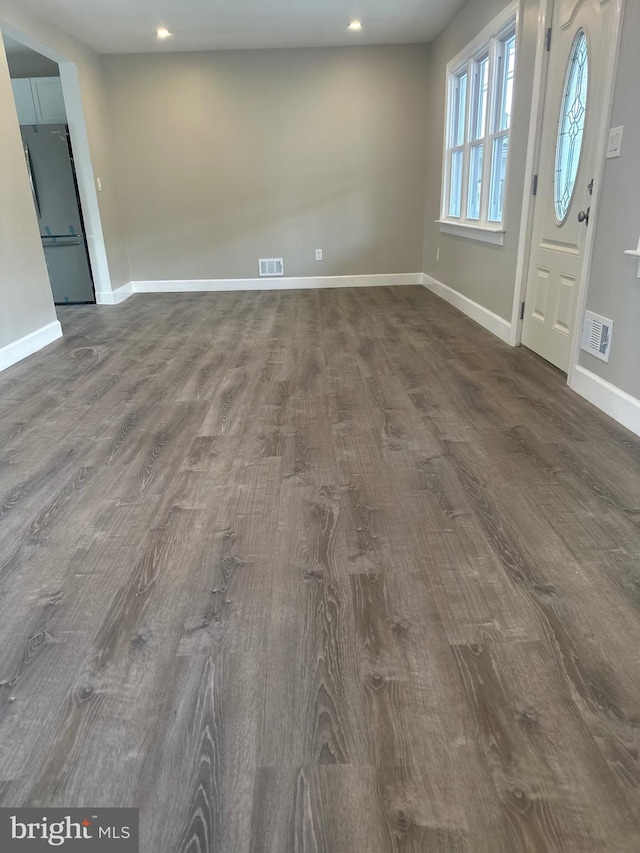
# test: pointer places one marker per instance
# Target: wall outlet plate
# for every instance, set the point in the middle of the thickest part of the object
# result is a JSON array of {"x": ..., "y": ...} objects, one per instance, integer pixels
[
  {"x": 614, "y": 145},
  {"x": 318, "y": 254}
]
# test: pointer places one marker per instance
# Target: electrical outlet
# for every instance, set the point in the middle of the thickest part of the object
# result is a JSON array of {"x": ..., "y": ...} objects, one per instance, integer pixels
[
  {"x": 99, "y": 183},
  {"x": 437, "y": 255},
  {"x": 318, "y": 254},
  {"x": 614, "y": 145}
]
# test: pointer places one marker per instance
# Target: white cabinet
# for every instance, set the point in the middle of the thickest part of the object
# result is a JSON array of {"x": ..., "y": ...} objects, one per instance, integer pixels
[
  {"x": 48, "y": 100},
  {"x": 39, "y": 100},
  {"x": 24, "y": 100}
]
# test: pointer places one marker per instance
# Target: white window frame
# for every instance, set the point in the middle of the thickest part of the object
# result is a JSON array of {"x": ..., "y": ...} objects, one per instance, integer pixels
[{"x": 489, "y": 43}]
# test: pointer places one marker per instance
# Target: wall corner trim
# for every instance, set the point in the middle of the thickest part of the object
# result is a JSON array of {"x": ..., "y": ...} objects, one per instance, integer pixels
[
  {"x": 492, "y": 322},
  {"x": 613, "y": 401},
  {"x": 27, "y": 345},
  {"x": 115, "y": 297}
]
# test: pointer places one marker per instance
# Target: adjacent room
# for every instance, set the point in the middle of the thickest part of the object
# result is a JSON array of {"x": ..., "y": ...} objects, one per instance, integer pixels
[{"x": 320, "y": 426}]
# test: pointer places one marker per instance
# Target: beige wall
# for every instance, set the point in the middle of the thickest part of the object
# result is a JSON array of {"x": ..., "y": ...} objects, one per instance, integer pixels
[
  {"x": 226, "y": 157},
  {"x": 26, "y": 303},
  {"x": 20, "y": 20},
  {"x": 614, "y": 289},
  {"x": 482, "y": 272}
]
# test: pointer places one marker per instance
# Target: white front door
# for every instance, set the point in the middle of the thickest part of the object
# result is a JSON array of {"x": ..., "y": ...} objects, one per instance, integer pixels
[{"x": 571, "y": 118}]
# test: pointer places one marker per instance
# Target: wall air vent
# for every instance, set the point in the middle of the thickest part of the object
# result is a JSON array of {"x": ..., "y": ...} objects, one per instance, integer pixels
[
  {"x": 271, "y": 266},
  {"x": 596, "y": 335}
]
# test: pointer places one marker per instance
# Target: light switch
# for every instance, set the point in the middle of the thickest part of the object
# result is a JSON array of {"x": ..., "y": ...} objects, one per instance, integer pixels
[{"x": 614, "y": 146}]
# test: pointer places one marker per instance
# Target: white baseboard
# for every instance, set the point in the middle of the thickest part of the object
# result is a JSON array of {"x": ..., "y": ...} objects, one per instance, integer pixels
[
  {"x": 619, "y": 405},
  {"x": 115, "y": 297},
  {"x": 16, "y": 351},
  {"x": 490, "y": 321},
  {"x": 280, "y": 283},
  {"x": 215, "y": 285}
]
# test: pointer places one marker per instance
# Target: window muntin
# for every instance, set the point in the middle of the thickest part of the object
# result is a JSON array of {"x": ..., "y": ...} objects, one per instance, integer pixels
[
  {"x": 474, "y": 200},
  {"x": 460, "y": 109},
  {"x": 480, "y": 99},
  {"x": 498, "y": 179},
  {"x": 507, "y": 70},
  {"x": 458, "y": 135},
  {"x": 455, "y": 200},
  {"x": 571, "y": 126}
]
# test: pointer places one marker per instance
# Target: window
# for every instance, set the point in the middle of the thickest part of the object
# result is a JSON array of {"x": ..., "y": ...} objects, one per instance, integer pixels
[{"x": 479, "y": 103}]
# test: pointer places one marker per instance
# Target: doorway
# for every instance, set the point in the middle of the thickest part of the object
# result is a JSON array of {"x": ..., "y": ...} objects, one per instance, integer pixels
[
  {"x": 50, "y": 164},
  {"x": 580, "y": 41}
]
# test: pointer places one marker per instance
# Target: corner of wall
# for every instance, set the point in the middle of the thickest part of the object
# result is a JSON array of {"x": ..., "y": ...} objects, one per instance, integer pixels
[
  {"x": 610, "y": 399},
  {"x": 29, "y": 344},
  {"x": 493, "y": 323}
]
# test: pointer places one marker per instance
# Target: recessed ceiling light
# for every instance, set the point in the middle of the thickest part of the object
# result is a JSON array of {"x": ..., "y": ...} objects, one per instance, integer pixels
[
  {"x": 355, "y": 25},
  {"x": 163, "y": 33}
]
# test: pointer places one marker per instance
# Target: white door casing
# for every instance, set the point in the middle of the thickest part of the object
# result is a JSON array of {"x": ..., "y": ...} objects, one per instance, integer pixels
[{"x": 558, "y": 245}]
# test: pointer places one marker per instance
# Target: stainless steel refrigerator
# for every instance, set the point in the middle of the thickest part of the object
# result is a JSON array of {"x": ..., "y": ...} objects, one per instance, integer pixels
[{"x": 55, "y": 194}]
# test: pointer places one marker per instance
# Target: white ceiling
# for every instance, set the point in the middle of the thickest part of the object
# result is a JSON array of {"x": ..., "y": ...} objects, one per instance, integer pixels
[{"x": 128, "y": 26}]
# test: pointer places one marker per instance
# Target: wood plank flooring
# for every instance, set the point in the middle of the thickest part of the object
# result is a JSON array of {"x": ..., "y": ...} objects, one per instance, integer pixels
[{"x": 317, "y": 572}]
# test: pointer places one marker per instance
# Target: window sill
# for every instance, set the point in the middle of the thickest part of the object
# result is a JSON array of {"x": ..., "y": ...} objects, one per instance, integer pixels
[{"x": 481, "y": 233}]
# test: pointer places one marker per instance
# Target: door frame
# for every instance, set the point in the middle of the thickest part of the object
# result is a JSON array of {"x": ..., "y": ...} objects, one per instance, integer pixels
[
  {"x": 611, "y": 59},
  {"x": 90, "y": 208}
]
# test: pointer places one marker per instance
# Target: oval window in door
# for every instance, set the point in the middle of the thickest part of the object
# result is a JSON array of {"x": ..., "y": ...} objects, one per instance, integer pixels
[{"x": 571, "y": 125}]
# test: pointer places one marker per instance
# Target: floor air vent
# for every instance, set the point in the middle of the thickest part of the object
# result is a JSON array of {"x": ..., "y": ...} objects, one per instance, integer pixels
[
  {"x": 271, "y": 266},
  {"x": 596, "y": 335}
]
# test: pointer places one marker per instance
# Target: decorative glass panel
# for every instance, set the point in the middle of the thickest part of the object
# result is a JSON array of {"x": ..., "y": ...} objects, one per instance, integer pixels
[
  {"x": 571, "y": 126},
  {"x": 455, "y": 196},
  {"x": 498, "y": 178},
  {"x": 475, "y": 182}
]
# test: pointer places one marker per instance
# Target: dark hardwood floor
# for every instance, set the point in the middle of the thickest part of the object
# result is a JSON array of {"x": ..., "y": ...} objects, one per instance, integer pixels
[{"x": 317, "y": 572}]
